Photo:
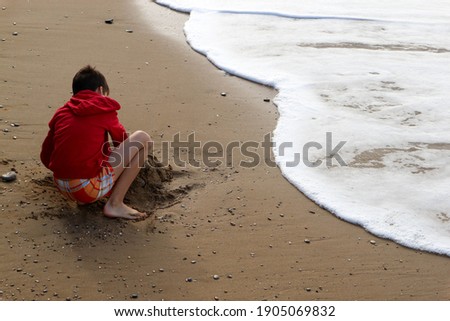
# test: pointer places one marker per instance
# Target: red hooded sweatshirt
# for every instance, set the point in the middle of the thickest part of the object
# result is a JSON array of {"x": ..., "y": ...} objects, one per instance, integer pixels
[{"x": 77, "y": 143}]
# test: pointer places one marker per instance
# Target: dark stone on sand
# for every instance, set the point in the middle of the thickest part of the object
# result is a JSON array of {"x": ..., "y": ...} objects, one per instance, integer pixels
[
  {"x": 109, "y": 21},
  {"x": 9, "y": 177},
  {"x": 266, "y": 100}
]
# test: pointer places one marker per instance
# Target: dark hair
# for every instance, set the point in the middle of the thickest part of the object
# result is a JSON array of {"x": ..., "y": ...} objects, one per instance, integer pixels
[{"x": 89, "y": 78}]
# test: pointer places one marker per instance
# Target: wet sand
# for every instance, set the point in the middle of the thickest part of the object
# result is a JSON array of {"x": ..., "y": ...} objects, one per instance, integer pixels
[{"x": 248, "y": 226}]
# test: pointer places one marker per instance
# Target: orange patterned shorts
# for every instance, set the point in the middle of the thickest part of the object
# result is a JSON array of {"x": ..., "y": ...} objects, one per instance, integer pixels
[{"x": 87, "y": 190}]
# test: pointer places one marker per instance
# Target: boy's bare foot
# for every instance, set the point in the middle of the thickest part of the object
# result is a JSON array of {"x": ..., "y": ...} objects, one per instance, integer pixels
[{"x": 122, "y": 211}]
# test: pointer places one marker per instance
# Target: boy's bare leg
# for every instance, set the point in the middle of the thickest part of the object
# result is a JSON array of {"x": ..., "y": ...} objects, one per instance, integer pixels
[{"x": 127, "y": 160}]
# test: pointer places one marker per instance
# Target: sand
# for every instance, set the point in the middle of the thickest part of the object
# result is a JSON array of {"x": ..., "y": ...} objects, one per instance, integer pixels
[{"x": 246, "y": 225}]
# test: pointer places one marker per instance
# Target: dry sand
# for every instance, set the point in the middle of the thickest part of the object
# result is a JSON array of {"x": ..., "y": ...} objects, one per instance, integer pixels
[{"x": 248, "y": 226}]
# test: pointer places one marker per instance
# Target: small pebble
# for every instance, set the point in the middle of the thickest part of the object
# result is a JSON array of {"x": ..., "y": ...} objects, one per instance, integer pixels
[
  {"x": 266, "y": 100},
  {"x": 134, "y": 296},
  {"x": 307, "y": 241},
  {"x": 223, "y": 94},
  {"x": 109, "y": 21},
  {"x": 216, "y": 277},
  {"x": 9, "y": 176},
  {"x": 188, "y": 279},
  {"x": 15, "y": 33},
  {"x": 129, "y": 31},
  {"x": 373, "y": 242}
]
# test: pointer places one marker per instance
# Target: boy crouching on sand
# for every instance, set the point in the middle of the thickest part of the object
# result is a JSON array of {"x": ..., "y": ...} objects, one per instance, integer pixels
[{"x": 85, "y": 167}]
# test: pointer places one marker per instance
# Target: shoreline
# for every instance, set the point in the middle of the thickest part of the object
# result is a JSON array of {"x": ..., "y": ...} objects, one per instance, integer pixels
[{"x": 232, "y": 223}]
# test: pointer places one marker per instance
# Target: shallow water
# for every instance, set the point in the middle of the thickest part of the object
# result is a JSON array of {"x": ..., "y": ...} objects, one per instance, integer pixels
[{"x": 363, "y": 100}]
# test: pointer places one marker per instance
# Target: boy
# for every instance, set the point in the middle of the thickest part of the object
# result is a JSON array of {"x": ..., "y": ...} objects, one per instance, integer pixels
[{"x": 85, "y": 167}]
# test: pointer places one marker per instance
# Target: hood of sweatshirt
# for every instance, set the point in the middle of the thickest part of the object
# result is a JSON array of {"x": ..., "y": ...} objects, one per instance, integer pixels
[{"x": 88, "y": 103}]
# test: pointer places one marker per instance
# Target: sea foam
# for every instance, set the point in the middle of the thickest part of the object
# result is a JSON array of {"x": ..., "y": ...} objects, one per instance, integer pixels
[{"x": 372, "y": 76}]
